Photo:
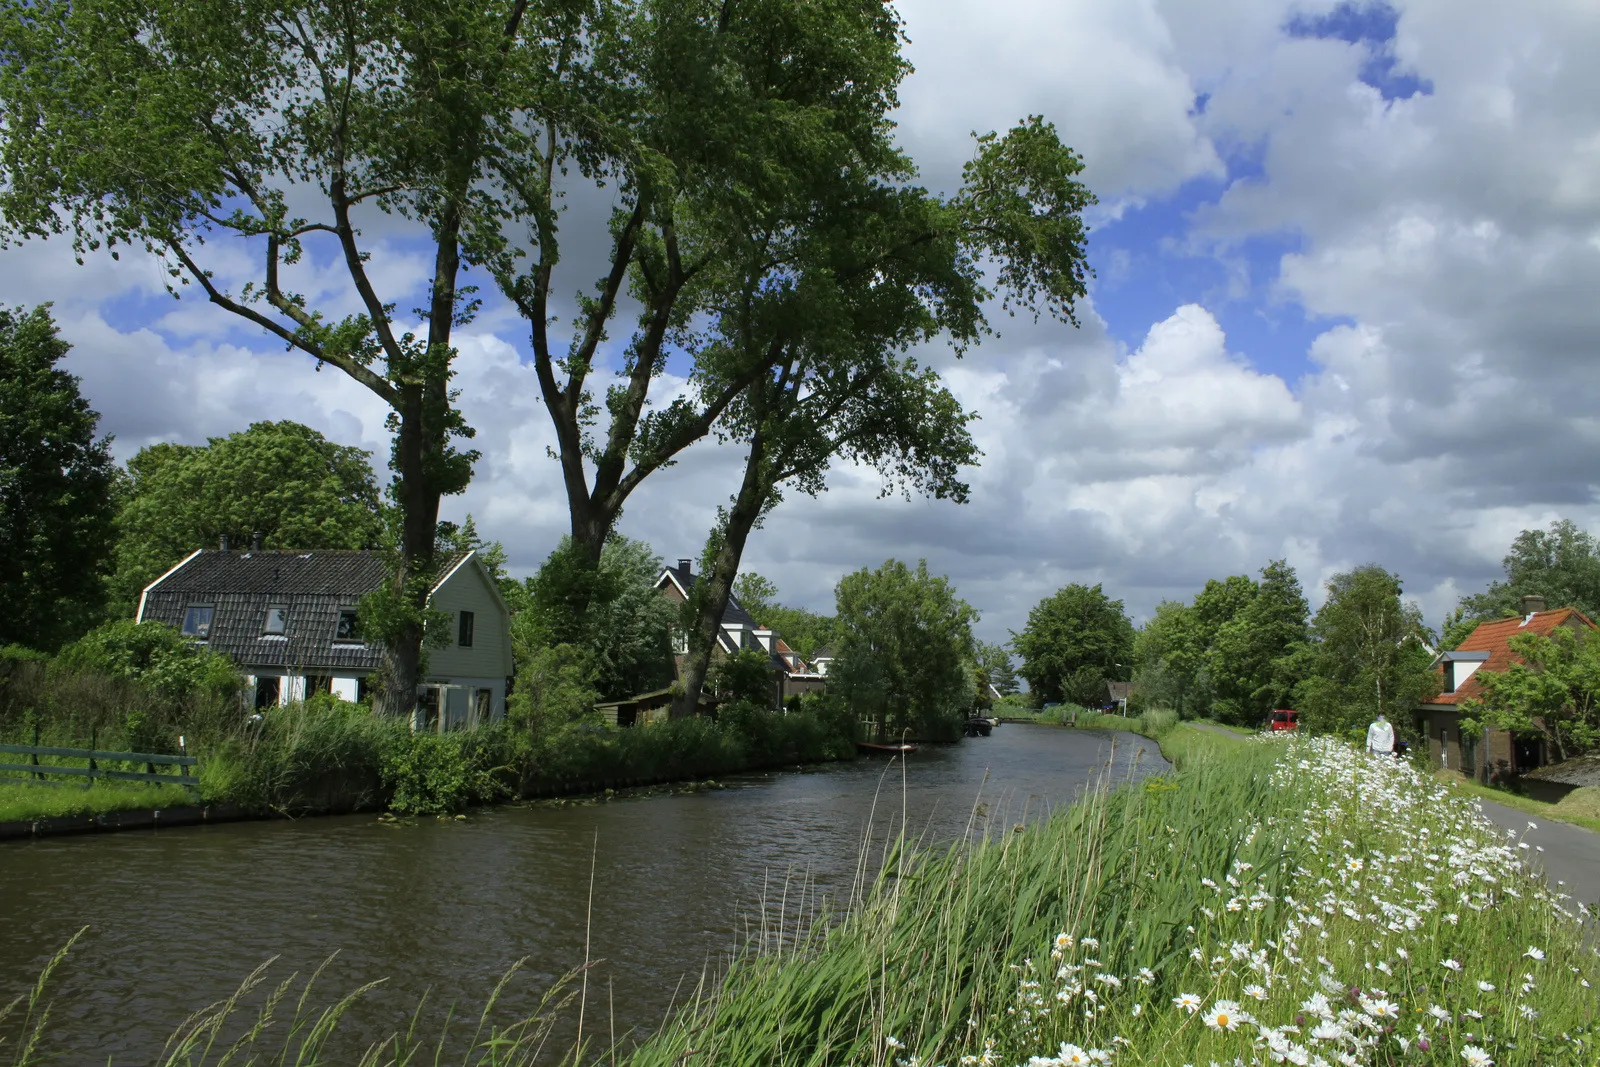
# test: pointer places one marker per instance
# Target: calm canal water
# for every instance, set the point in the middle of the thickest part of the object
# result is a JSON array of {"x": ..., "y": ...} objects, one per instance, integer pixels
[{"x": 177, "y": 918}]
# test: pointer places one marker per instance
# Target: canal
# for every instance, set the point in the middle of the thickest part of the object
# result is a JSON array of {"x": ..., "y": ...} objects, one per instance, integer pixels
[{"x": 442, "y": 907}]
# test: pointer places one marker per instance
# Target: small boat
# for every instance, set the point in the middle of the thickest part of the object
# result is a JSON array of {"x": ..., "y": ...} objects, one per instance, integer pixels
[
  {"x": 893, "y": 748},
  {"x": 977, "y": 726}
]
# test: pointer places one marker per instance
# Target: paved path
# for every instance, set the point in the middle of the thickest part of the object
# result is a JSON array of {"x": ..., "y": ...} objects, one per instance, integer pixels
[{"x": 1571, "y": 853}]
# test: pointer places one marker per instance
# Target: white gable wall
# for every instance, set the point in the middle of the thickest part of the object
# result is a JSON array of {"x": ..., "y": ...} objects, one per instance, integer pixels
[{"x": 488, "y": 662}]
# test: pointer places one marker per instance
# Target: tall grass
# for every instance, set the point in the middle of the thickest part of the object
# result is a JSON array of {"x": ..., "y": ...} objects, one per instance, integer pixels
[
  {"x": 929, "y": 957},
  {"x": 1147, "y": 923}
]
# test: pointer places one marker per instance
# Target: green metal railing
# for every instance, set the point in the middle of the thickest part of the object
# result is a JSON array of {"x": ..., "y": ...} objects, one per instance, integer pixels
[{"x": 184, "y": 767}]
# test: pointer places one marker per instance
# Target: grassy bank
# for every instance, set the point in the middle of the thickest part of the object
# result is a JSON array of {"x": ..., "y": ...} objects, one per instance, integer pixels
[
  {"x": 1581, "y": 807},
  {"x": 19, "y": 802},
  {"x": 1294, "y": 903}
]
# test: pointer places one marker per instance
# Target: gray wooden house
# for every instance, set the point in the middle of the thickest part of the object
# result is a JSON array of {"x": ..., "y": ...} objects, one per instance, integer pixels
[{"x": 288, "y": 620}]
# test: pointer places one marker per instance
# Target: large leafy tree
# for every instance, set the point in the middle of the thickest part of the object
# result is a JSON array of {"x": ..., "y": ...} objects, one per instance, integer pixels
[
  {"x": 56, "y": 489},
  {"x": 234, "y": 140},
  {"x": 609, "y": 619},
  {"x": 1369, "y": 654},
  {"x": 905, "y": 652},
  {"x": 280, "y": 481},
  {"x": 818, "y": 317},
  {"x": 1169, "y": 659},
  {"x": 1554, "y": 692},
  {"x": 1074, "y": 642},
  {"x": 1561, "y": 564},
  {"x": 1252, "y": 661}
]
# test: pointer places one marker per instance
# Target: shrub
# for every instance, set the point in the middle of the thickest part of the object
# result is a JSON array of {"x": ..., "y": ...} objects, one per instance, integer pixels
[
  {"x": 429, "y": 774},
  {"x": 323, "y": 755},
  {"x": 152, "y": 654}
]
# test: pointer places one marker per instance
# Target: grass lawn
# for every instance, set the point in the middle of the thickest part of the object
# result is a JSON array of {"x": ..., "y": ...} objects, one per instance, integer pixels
[
  {"x": 1562, "y": 812},
  {"x": 21, "y": 801}
]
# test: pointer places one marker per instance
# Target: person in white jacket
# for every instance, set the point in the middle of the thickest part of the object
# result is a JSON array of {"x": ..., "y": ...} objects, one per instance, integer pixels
[{"x": 1380, "y": 737}]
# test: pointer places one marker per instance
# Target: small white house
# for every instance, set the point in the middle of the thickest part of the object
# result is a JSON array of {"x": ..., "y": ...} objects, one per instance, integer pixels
[{"x": 288, "y": 620}]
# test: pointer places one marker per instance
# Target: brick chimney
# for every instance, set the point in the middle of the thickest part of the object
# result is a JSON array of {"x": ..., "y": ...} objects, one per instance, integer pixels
[
  {"x": 686, "y": 567},
  {"x": 1532, "y": 604},
  {"x": 255, "y": 541}
]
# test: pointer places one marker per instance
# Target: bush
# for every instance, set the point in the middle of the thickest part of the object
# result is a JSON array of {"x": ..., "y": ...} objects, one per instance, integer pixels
[
  {"x": 153, "y": 654},
  {"x": 127, "y": 686},
  {"x": 429, "y": 774}
]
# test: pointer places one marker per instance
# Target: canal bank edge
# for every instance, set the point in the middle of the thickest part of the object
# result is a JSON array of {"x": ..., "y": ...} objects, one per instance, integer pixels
[
  {"x": 151, "y": 819},
  {"x": 209, "y": 814}
]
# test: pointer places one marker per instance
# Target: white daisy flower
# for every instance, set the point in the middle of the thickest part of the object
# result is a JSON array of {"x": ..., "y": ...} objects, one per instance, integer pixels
[
  {"x": 1224, "y": 1015},
  {"x": 1188, "y": 1002}
]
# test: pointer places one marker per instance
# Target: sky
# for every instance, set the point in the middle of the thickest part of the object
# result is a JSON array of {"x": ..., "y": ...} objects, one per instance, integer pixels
[{"x": 1345, "y": 311}]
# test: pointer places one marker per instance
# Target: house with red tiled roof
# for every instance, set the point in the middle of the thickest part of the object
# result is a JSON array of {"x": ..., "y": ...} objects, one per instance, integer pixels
[{"x": 1497, "y": 755}]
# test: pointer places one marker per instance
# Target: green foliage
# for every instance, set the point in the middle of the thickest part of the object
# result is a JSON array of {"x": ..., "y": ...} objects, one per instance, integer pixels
[
  {"x": 802, "y": 630},
  {"x": 555, "y": 686},
  {"x": 1368, "y": 656},
  {"x": 1252, "y": 662},
  {"x": 281, "y": 480},
  {"x": 744, "y": 677},
  {"x": 1074, "y": 642},
  {"x": 154, "y": 655},
  {"x": 741, "y": 737},
  {"x": 906, "y": 642},
  {"x": 612, "y": 612},
  {"x": 758, "y": 595},
  {"x": 434, "y": 774},
  {"x": 1554, "y": 692},
  {"x": 57, "y": 482},
  {"x": 994, "y": 661},
  {"x": 1561, "y": 564},
  {"x": 1170, "y": 654}
]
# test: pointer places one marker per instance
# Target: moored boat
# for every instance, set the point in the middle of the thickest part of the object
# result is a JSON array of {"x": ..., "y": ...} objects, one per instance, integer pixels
[{"x": 891, "y": 748}]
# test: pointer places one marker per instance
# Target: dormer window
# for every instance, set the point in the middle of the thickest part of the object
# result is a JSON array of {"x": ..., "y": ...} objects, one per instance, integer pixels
[
  {"x": 197, "y": 621},
  {"x": 277, "y": 621},
  {"x": 1449, "y": 677},
  {"x": 349, "y": 627}
]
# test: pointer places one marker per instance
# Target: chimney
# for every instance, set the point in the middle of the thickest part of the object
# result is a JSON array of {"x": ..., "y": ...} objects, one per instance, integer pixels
[
  {"x": 1532, "y": 604},
  {"x": 255, "y": 541},
  {"x": 686, "y": 566},
  {"x": 222, "y": 542}
]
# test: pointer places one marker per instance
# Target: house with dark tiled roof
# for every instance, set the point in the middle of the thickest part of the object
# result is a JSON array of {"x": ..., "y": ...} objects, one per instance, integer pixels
[
  {"x": 288, "y": 620},
  {"x": 1497, "y": 754},
  {"x": 791, "y": 674}
]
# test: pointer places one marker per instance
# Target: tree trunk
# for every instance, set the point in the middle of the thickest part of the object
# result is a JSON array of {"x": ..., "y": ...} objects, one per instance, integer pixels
[
  {"x": 718, "y": 584},
  {"x": 419, "y": 453}
]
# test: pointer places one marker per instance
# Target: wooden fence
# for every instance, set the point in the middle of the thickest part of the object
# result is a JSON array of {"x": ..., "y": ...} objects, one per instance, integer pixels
[{"x": 36, "y": 773}]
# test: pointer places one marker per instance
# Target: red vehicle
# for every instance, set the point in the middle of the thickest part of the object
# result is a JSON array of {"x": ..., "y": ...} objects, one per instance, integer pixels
[{"x": 1283, "y": 719}]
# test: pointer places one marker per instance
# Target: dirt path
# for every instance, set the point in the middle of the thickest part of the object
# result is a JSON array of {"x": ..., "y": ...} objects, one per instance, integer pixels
[{"x": 1569, "y": 854}]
